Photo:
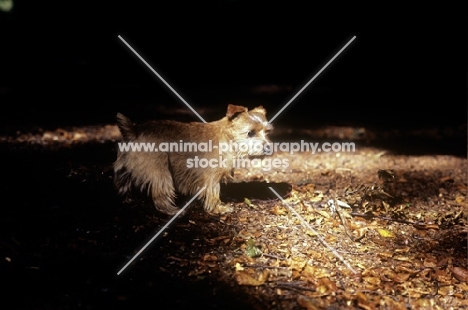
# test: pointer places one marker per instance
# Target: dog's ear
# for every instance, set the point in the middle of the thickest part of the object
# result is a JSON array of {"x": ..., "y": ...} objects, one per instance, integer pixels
[
  {"x": 126, "y": 127},
  {"x": 234, "y": 110},
  {"x": 260, "y": 110}
]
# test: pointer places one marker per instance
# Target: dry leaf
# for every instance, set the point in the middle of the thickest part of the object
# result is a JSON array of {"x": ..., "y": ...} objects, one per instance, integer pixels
[
  {"x": 308, "y": 303},
  {"x": 210, "y": 258},
  {"x": 252, "y": 250},
  {"x": 331, "y": 285},
  {"x": 363, "y": 301},
  {"x": 385, "y": 233},
  {"x": 372, "y": 280},
  {"x": 244, "y": 278},
  {"x": 401, "y": 277},
  {"x": 446, "y": 290},
  {"x": 460, "y": 273},
  {"x": 249, "y": 203},
  {"x": 278, "y": 210},
  {"x": 238, "y": 267}
]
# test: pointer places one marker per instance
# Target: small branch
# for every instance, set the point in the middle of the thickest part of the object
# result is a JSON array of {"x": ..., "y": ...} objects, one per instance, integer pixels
[
  {"x": 295, "y": 287},
  {"x": 371, "y": 216},
  {"x": 273, "y": 256},
  {"x": 265, "y": 266}
]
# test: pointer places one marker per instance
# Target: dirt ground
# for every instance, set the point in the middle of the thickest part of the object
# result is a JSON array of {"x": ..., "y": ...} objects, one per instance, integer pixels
[{"x": 378, "y": 228}]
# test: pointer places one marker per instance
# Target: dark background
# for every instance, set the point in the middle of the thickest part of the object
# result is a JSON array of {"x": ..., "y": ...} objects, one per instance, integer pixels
[{"x": 63, "y": 64}]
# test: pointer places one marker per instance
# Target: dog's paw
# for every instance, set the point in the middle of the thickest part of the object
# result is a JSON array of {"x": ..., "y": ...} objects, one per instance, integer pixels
[
  {"x": 170, "y": 210},
  {"x": 222, "y": 208}
]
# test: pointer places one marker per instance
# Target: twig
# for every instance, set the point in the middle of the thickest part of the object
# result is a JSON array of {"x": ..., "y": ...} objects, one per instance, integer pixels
[
  {"x": 273, "y": 256},
  {"x": 371, "y": 216},
  {"x": 266, "y": 267},
  {"x": 343, "y": 222},
  {"x": 295, "y": 287}
]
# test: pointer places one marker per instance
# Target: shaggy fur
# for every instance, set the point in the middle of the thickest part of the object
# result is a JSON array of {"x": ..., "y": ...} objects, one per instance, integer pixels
[{"x": 163, "y": 175}]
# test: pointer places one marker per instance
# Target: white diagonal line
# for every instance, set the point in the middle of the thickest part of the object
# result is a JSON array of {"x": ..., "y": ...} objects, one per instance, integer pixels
[
  {"x": 161, "y": 78},
  {"x": 159, "y": 232},
  {"x": 339, "y": 52},
  {"x": 315, "y": 232}
]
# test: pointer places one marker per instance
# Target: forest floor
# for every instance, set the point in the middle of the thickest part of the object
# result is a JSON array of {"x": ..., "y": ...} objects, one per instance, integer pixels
[{"x": 370, "y": 229}]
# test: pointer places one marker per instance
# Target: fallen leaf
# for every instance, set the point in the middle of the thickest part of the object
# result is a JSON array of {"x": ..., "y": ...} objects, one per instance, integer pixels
[
  {"x": 363, "y": 301},
  {"x": 460, "y": 273},
  {"x": 308, "y": 303},
  {"x": 278, "y": 210},
  {"x": 210, "y": 258},
  {"x": 238, "y": 267},
  {"x": 252, "y": 250},
  {"x": 372, "y": 280},
  {"x": 446, "y": 290},
  {"x": 249, "y": 203},
  {"x": 385, "y": 233},
  {"x": 244, "y": 278}
]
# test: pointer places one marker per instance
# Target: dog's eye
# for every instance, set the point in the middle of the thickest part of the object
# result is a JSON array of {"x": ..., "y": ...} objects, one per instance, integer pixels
[{"x": 251, "y": 134}]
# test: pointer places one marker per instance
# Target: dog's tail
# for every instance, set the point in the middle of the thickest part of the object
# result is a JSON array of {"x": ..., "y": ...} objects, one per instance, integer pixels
[{"x": 126, "y": 127}]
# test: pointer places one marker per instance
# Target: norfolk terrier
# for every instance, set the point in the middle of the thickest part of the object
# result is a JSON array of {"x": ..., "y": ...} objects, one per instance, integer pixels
[{"x": 188, "y": 156}]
